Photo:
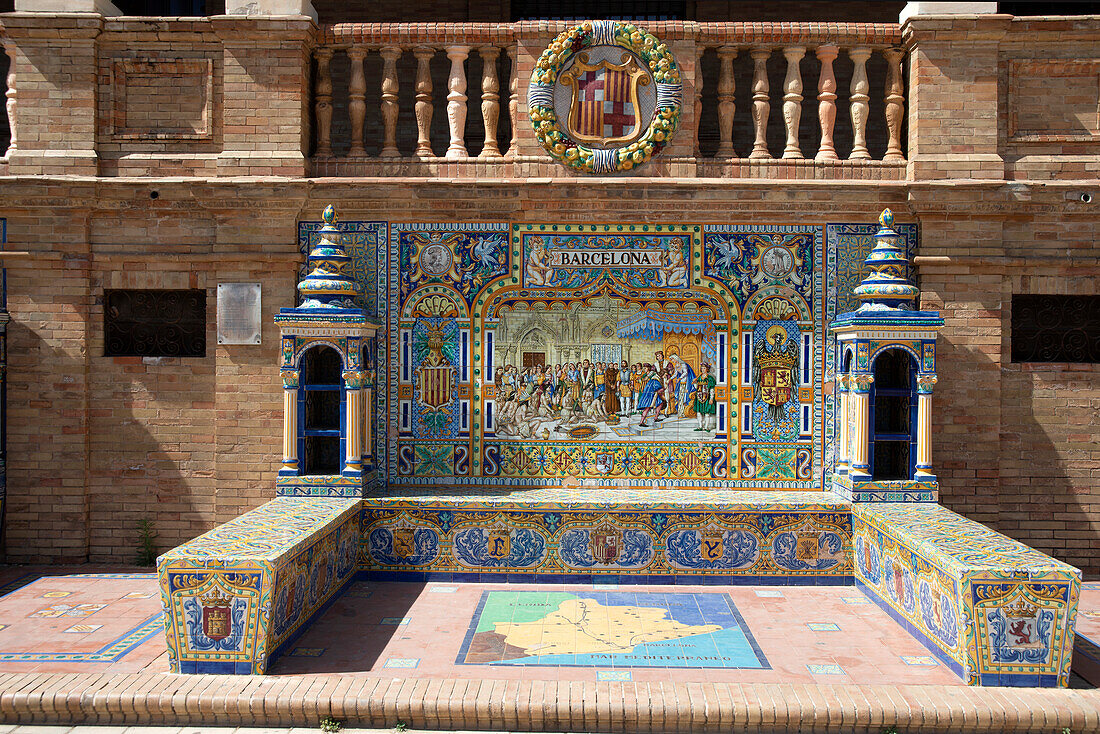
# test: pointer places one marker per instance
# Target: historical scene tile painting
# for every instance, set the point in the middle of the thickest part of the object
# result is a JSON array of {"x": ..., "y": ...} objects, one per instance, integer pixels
[
  {"x": 620, "y": 629},
  {"x": 629, "y": 354}
]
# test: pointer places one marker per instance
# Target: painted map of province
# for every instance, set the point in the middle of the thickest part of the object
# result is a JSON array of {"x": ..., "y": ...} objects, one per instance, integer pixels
[{"x": 609, "y": 629}]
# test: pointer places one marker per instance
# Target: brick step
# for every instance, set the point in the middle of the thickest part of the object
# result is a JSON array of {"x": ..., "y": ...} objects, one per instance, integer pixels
[{"x": 499, "y": 705}]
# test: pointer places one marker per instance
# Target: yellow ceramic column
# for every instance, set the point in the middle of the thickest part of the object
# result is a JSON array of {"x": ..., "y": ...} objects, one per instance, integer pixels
[
  {"x": 859, "y": 397},
  {"x": 353, "y": 447},
  {"x": 924, "y": 425},
  {"x": 290, "y": 422},
  {"x": 844, "y": 413},
  {"x": 368, "y": 423}
]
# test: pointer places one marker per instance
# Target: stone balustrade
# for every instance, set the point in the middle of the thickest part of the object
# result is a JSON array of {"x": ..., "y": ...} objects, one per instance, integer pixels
[{"x": 750, "y": 109}]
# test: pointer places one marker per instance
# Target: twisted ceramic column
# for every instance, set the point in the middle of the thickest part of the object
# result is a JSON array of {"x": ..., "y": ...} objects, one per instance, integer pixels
[
  {"x": 513, "y": 98},
  {"x": 357, "y": 99},
  {"x": 390, "y": 87},
  {"x": 456, "y": 101},
  {"x": 792, "y": 100},
  {"x": 761, "y": 103},
  {"x": 726, "y": 105},
  {"x": 423, "y": 107},
  {"x": 895, "y": 104},
  {"x": 859, "y": 102},
  {"x": 490, "y": 100},
  {"x": 826, "y": 101},
  {"x": 322, "y": 104}
]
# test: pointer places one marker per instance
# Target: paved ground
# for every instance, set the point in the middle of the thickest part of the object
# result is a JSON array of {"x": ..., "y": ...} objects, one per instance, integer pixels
[
  {"x": 90, "y": 620},
  {"x": 610, "y": 633},
  {"x": 84, "y": 645}
]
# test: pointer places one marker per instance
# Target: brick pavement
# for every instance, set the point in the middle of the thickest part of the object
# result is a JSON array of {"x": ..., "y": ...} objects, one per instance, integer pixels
[{"x": 498, "y": 705}]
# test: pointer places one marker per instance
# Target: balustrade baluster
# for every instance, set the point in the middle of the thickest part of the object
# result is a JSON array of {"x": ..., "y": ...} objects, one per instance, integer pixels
[
  {"x": 9, "y": 49},
  {"x": 390, "y": 87},
  {"x": 792, "y": 100},
  {"x": 699, "y": 50},
  {"x": 761, "y": 103},
  {"x": 456, "y": 101},
  {"x": 859, "y": 102},
  {"x": 322, "y": 104},
  {"x": 490, "y": 100},
  {"x": 726, "y": 105},
  {"x": 423, "y": 107},
  {"x": 895, "y": 104},
  {"x": 513, "y": 98},
  {"x": 826, "y": 101},
  {"x": 357, "y": 100}
]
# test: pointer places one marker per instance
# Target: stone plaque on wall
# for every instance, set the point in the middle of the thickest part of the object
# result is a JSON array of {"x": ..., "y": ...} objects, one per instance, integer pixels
[{"x": 238, "y": 313}]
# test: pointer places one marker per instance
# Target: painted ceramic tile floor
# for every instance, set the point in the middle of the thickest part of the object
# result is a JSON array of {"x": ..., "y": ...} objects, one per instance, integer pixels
[
  {"x": 83, "y": 619},
  {"x": 610, "y": 633},
  {"x": 1086, "y": 647}
]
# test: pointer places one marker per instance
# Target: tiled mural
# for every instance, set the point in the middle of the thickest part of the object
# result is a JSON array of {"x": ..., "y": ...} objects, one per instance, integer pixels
[{"x": 631, "y": 355}]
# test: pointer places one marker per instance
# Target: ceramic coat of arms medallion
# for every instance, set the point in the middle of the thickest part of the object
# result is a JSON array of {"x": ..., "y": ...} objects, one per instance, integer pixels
[{"x": 605, "y": 97}]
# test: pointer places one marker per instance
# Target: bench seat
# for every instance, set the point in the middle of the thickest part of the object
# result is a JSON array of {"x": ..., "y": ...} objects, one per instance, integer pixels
[
  {"x": 233, "y": 597},
  {"x": 992, "y": 609}
]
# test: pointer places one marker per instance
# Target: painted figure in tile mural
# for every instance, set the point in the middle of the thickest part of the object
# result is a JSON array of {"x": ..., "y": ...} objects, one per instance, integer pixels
[
  {"x": 626, "y": 392},
  {"x": 652, "y": 400},
  {"x": 538, "y": 272},
  {"x": 705, "y": 403},
  {"x": 673, "y": 270},
  {"x": 683, "y": 380}
]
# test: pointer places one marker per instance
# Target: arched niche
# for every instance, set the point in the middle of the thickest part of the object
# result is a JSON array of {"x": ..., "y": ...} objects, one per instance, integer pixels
[
  {"x": 321, "y": 411},
  {"x": 892, "y": 422}
]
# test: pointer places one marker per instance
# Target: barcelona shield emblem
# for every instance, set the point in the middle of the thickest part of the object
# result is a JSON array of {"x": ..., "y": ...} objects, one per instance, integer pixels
[
  {"x": 604, "y": 108},
  {"x": 435, "y": 385}
]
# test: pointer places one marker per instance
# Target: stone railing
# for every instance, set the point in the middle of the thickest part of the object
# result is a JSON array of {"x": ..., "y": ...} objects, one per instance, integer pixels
[{"x": 377, "y": 88}]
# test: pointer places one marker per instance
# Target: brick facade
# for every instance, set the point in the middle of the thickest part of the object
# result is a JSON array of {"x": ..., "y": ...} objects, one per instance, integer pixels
[{"x": 97, "y": 443}]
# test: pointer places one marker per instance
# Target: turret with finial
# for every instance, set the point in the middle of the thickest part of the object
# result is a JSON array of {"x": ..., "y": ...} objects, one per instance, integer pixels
[
  {"x": 329, "y": 283},
  {"x": 887, "y": 286}
]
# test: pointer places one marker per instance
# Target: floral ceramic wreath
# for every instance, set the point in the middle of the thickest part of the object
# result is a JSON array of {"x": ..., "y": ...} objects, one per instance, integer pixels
[{"x": 666, "y": 116}]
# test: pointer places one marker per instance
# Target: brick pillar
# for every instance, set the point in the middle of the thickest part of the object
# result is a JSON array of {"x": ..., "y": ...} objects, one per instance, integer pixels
[
  {"x": 266, "y": 104},
  {"x": 953, "y": 96},
  {"x": 54, "y": 68}
]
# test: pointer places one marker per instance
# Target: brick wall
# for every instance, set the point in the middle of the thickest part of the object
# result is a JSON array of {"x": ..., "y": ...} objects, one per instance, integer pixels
[{"x": 96, "y": 443}]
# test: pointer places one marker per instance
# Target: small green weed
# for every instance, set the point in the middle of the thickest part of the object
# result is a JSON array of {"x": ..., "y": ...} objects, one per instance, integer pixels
[
  {"x": 331, "y": 725},
  {"x": 401, "y": 726},
  {"x": 147, "y": 549}
]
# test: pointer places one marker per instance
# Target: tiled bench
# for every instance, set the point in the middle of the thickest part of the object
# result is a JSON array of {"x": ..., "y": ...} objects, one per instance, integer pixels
[
  {"x": 640, "y": 536},
  {"x": 237, "y": 594},
  {"x": 992, "y": 609}
]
